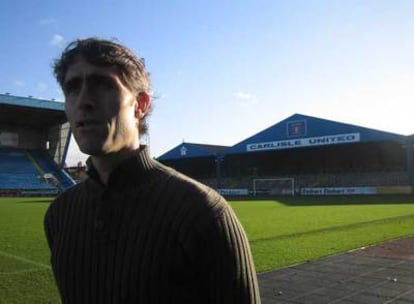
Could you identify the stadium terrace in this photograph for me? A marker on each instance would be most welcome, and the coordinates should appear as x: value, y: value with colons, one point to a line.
x: 303, y: 155
x: 300, y: 155
x: 34, y: 138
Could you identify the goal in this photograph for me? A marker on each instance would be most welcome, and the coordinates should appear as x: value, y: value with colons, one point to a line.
x: 274, y: 186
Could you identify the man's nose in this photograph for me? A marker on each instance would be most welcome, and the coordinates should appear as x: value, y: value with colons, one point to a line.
x: 85, y: 97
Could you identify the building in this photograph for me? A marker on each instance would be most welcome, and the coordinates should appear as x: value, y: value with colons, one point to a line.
x: 34, y: 139
x: 304, y: 155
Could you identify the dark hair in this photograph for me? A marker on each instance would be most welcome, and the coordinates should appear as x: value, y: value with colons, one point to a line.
x: 107, y: 53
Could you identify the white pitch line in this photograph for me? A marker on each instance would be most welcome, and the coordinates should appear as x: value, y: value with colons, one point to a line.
x: 21, y: 271
x: 22, y: 259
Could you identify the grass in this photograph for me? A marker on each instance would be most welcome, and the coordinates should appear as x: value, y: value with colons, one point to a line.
x: 293, y: 230
x: 282, y: 232
x: 25, y: 274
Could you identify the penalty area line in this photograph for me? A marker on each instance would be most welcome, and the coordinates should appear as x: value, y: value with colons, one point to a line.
x: 22, y: 259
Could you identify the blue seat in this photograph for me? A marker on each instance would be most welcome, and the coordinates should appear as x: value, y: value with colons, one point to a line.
x: 22, y: 169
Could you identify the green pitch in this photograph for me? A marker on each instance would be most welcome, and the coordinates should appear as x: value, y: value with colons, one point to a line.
x: 293, y: 230
x: 281, y: 232
x: 25, y: 274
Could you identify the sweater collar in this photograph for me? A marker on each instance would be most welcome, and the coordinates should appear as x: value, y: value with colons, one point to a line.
x: 132, y: 171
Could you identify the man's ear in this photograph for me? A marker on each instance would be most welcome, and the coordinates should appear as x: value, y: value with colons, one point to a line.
x: 143, y: 105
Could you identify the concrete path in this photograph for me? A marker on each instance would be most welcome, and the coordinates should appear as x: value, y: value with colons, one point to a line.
x: 379, y: 274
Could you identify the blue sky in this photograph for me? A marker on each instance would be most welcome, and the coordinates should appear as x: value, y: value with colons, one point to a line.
x: 225, y: 70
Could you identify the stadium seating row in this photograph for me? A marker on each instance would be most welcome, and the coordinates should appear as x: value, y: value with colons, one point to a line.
x: 25, y: 170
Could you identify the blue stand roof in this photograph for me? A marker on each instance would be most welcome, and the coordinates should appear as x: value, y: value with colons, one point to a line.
x: 30, y: 102
x: 191, y: 150
x: 299, y: 131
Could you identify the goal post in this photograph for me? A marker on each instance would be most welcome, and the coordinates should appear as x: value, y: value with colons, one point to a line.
x: 274, y: 186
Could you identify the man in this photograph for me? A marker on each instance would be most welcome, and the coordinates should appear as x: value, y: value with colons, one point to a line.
x: 136, y: 231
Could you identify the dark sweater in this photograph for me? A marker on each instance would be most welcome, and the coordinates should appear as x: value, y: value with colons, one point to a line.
x: 151, y: 235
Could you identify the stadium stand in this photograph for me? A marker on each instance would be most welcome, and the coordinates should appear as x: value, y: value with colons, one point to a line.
x: 33, y: 142
x: 17, y: 172
x: 313, y: 154
x: 200, y: 161
x: 48, y: 166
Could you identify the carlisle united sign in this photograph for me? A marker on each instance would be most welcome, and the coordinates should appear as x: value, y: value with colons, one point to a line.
x: 304, y: 142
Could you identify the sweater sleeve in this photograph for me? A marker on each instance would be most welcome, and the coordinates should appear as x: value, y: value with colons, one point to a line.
x: 227, y: 269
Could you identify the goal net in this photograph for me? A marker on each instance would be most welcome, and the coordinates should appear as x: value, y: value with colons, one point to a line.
x: 274, y: 186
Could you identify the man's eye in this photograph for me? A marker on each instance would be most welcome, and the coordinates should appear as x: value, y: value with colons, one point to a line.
x: 72, y: 87
x: 104, y: 83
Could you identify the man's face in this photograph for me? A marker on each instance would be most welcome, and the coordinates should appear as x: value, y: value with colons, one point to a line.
x: 101, y: 110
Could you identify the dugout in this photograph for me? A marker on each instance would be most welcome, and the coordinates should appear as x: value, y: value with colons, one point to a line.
x: 34, y: 139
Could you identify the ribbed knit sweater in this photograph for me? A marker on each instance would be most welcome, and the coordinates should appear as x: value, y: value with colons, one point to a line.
x: 151, y: 235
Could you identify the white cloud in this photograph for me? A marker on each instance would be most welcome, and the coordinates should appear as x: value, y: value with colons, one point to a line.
x: 41, y: 87
x: 244, y: 96
x: 19, y: 83
x: 47, y: 21
x: 246, y: 99
x: 57, y: 41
